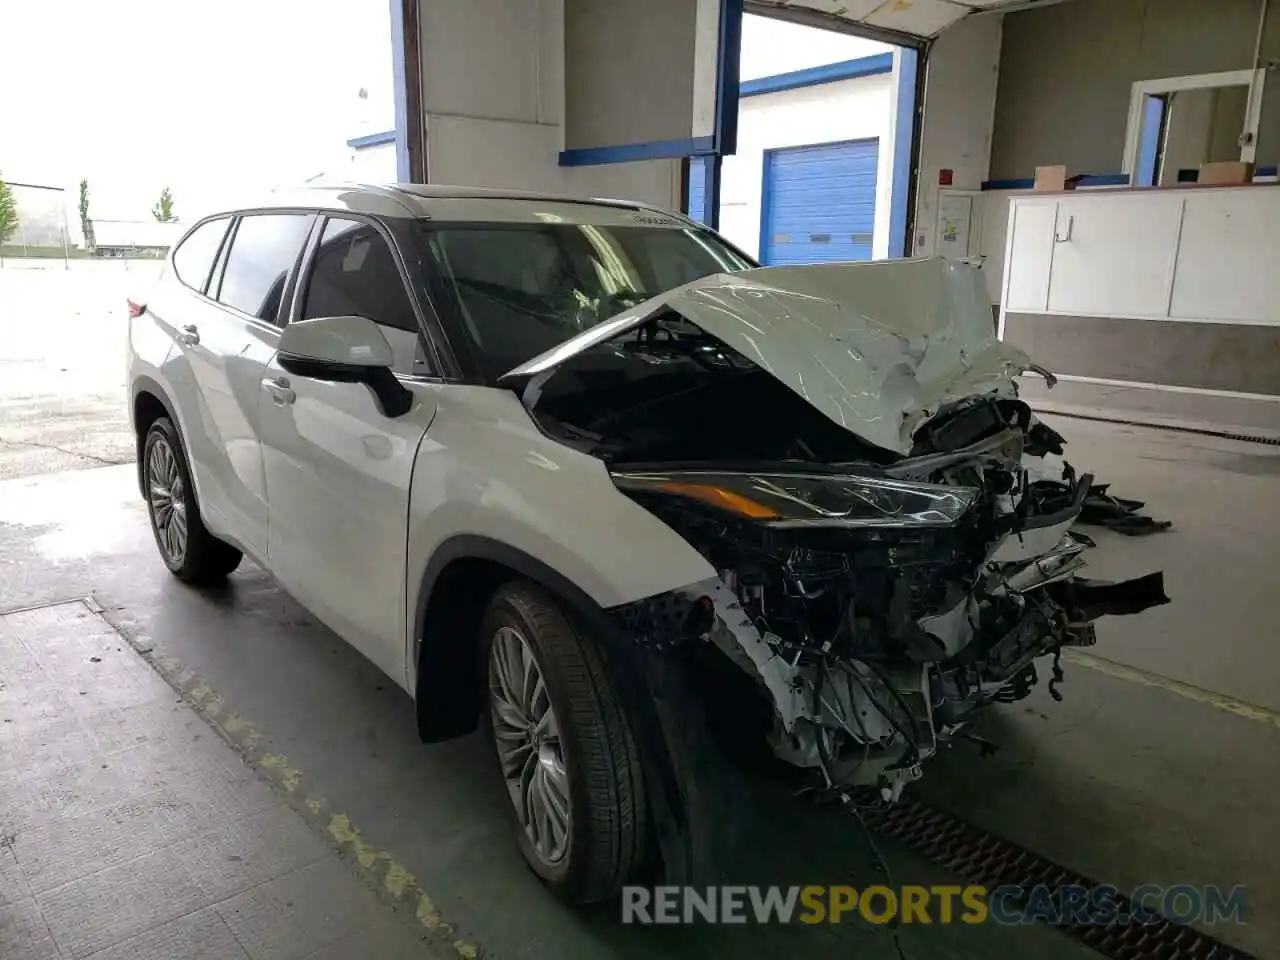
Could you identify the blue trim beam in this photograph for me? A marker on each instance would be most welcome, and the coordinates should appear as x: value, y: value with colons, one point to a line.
x: 728, y: 84
x: 372, y: 140
x: 766, y: 204
x: 903, y: 159
x: 813, y: 76
x: 711, y: 190
x: 400, y: 82
x: 631, y: 152
x: 1089, y: 180
x: 1103, y: 180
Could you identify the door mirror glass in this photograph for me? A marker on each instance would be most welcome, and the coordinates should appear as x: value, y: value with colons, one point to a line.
x: 346, y: 341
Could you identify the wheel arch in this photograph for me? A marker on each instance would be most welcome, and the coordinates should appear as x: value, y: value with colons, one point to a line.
x: 148, y: 403
x: 460, y: 578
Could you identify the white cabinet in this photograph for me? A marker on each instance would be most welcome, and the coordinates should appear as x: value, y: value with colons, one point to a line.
x: 1228, y: 263
x: 1189, y: 254
x: 1114, y: 255
x: 1031, y: 242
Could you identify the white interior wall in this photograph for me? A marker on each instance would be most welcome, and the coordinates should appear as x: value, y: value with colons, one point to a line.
x: 843, y: 110
x: 959, y: 114
x: 493, y: 98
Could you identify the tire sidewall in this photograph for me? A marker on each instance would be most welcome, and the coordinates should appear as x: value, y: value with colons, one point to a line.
x: 505, y: 613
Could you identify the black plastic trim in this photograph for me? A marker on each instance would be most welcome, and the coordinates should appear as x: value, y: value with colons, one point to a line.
x: 394, y: 398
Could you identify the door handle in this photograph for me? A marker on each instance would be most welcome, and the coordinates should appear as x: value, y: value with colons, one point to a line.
x: 190, y: 335
x: 1071, y: 224
x: 278, y: 387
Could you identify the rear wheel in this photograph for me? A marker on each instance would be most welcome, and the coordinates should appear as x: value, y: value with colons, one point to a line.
x: 190, y: 551
x: 566, y: 752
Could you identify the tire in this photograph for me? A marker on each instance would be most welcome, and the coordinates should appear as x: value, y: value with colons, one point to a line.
x: 188, y: 549
x: 599, y: 763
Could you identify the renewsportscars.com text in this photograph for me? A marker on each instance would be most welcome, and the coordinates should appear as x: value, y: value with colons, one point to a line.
x: 1006, y: 905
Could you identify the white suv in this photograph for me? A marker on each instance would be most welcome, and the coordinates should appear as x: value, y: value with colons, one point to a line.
x: 581, y: 470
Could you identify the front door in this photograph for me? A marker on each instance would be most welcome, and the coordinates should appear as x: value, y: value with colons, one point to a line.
x: 337, y: 469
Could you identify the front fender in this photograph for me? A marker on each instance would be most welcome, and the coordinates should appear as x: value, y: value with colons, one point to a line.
x: 484, y: 470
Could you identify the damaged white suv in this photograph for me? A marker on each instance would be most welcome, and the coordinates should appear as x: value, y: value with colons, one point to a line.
x: 582, y: 471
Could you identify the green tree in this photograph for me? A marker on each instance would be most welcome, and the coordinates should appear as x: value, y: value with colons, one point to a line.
x: 8, y: 212
x: 163, y: 210
x: 86, y: 225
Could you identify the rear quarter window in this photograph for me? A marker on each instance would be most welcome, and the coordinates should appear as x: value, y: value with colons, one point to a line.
x: 193, y: 259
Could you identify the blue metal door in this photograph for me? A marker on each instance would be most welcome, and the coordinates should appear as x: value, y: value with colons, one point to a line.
x: 819, y: 203
x: 697, y: 188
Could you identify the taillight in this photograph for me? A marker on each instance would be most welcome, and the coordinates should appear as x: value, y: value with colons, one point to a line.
x: 136, y: 309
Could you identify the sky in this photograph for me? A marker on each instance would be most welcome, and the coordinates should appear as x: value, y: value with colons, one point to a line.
x: 220, y: 102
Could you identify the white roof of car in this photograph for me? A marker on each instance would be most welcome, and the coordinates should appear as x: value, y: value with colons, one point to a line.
x: 453, y: 203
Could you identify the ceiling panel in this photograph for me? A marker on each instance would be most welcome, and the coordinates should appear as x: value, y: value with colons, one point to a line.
x: 910, y: 18
x: 921, y: 18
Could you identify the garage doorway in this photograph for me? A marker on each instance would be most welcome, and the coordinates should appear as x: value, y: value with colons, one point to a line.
x: 819, y: 202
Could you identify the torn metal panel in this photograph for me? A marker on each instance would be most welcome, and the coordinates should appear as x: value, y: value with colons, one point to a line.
x: 876, y: 347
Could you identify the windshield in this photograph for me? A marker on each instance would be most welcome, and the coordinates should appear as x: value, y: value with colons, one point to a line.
x: 520, y: 289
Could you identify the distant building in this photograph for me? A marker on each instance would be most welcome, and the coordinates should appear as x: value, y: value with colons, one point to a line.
x: 134, y: 238
x: 373, y: 158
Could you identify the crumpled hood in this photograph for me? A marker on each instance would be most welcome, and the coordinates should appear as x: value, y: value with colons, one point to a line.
x: 876, y: 347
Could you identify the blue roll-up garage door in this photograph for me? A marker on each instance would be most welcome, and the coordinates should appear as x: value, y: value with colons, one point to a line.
x: 697, y: 188
x: 819, y: 203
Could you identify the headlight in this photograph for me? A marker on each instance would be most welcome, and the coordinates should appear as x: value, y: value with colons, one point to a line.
x: 812, y: 500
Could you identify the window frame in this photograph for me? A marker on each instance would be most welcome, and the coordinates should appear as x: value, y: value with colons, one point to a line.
x: 443, y: 364
x: 1255, y: 80
x: 217, y: 254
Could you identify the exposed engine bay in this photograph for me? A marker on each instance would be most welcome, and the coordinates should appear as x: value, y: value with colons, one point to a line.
x: 876, y: 598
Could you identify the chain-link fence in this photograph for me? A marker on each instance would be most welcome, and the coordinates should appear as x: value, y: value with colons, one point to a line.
x: 42, y: 230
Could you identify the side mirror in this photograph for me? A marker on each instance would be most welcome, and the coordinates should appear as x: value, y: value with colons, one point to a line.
x: 345, y: 350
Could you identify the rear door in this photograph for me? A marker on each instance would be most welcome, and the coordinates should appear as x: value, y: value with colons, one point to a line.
x: 226, y: 342
x: 337, y: 468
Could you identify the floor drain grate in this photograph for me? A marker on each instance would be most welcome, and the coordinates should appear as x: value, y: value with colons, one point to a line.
x: 981, y: 858
x: 1267, y: 439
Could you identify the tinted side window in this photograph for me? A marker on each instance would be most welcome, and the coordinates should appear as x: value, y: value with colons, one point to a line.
x: 263, y: 251
x: 354, y: 274
x: 194, y: 256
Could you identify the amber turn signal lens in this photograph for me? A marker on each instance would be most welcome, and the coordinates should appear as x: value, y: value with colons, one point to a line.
x: 722, y: 498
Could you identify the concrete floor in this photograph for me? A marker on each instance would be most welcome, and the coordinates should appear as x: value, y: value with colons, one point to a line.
x: 129, y: 831
x: 1126, y: 782
x: 1136, y: 777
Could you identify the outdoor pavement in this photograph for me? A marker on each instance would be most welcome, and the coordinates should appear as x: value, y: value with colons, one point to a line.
x: 130, y: 831
x: 62, y: 337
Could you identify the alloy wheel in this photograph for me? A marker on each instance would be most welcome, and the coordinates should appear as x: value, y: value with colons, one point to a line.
x: 166, y: 495
x: 527, y: 736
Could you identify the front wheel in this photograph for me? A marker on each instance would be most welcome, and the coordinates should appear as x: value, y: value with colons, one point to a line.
x: 568, y: 759
x: 188, y: 549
